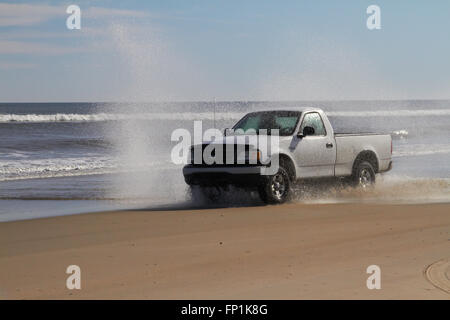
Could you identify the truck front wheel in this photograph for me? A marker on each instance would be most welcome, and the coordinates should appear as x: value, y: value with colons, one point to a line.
x: 275, y: 189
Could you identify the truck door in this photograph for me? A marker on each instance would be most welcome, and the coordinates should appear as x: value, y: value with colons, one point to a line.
x: 315, y: 154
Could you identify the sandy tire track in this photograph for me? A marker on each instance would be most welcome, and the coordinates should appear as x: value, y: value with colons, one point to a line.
x: 438, y: 273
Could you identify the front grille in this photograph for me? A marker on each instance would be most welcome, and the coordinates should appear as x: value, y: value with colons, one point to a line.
x: 229, y: 155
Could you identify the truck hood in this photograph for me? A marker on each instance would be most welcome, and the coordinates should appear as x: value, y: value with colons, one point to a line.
x: 252, y: 140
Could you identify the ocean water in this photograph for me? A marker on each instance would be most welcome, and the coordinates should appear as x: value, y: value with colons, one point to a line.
x: 63, y: 158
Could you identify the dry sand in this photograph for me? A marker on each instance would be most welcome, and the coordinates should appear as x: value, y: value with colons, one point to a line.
x: 294, y: 251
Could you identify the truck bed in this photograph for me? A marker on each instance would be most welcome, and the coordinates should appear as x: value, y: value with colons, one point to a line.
x: 349, y: 145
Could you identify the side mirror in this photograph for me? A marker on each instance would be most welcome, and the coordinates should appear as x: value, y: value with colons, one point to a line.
x: 307, y: 131
x: 225, y: 131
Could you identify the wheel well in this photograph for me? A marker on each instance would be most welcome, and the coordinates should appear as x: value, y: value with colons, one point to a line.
x: 368, y: 156
x: 287, y: 163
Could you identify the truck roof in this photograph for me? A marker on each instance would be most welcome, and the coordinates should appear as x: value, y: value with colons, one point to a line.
x: 303, y: 109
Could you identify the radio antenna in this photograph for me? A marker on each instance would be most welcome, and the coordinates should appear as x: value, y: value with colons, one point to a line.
x: 214, y: 117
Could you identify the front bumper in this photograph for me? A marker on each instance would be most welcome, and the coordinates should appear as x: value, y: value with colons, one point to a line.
x: 226, y: 175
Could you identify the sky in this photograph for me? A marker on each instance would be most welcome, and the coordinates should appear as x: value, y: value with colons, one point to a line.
x: 223, y: 50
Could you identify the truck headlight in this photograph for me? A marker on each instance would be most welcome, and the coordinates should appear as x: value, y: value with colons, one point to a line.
x: 252, y: 156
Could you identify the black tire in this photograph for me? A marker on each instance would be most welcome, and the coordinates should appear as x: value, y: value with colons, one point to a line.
x: 363, y: 175
x: 275, y: 189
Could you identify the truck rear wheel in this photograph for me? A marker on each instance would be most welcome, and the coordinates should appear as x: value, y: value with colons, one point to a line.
x: 275, y: 189
x: 364, y: 175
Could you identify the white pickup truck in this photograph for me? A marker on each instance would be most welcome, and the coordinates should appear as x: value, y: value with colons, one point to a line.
x: 307, y: 148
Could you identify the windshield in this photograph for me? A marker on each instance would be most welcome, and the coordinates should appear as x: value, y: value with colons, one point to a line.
x: 284, y: 121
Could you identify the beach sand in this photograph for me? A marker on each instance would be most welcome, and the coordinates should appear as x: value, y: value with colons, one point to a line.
x: 292, y: 251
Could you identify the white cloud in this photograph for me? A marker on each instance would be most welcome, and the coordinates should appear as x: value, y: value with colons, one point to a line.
x: 18, y: 47
x: 32, y: 40
x: 31, y: 34
x: 12, y: 14
x: 98, y: 12
x: 36, y: 34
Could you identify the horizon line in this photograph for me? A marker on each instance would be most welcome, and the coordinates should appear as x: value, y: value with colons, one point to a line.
x: 224, y: 101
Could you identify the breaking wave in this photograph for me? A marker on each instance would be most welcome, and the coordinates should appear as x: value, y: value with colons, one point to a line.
x: 65, y: 167
x: 391, y: 113
x: 46, y: 168
x: 96, y: 117
x: 399, y: 134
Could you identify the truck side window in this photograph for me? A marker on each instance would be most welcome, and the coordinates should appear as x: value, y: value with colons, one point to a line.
x: 314, y: 120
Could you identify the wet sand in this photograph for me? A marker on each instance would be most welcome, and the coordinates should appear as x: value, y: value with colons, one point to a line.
x: 293, y: 251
